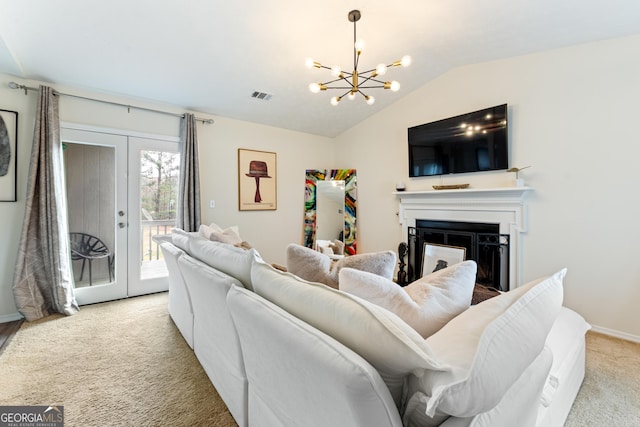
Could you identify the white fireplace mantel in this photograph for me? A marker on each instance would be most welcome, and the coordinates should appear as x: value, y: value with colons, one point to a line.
x: 504, y: 206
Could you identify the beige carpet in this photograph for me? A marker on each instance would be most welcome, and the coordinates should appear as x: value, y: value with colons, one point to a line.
x: 120, y: 363
x: 124, y: 363
x: 610, y: 393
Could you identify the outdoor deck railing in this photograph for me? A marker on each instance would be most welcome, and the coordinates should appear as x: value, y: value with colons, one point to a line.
x: 151, y: 249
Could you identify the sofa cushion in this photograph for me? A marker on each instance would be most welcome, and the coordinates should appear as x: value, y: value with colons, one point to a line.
x: 231, y: 260
x: 376, y: 334
x: 316, y: 267
x: 426, y: 304
x: 489, y: 346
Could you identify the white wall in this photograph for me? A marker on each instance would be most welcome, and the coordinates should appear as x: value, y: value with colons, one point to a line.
x: 268, y: 231
x: 573, y: 117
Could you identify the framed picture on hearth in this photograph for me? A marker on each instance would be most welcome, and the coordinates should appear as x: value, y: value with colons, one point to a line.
x: 436, y: 257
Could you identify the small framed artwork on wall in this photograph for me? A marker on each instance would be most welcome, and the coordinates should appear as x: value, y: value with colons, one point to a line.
x: 436, y: 257
x: 8, y: 155
x: 257, y: 180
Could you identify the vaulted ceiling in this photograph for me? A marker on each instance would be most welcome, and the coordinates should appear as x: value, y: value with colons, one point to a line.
x: 212, y: 55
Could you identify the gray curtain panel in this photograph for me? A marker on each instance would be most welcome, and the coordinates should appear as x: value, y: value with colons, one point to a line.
x: 43, y: 282
x: 189, y: 191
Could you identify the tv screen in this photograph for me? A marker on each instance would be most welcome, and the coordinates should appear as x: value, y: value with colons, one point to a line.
x: 469, y: 142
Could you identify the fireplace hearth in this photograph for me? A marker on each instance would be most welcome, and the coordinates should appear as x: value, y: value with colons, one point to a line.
x: 482, y: 242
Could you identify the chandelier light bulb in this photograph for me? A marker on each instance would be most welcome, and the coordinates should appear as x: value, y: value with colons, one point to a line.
x: 314, y: 87
x: 310, y: 63
x: 370, y: 100
x: 351, y: 96
x: 405, y: 61
x: 335, y: 100
x: 359, y: 46
x: 336, y: 71
x: 395, y: 86
x: 381, y: 69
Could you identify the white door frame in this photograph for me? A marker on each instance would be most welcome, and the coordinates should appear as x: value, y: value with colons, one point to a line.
x: 127, y: 279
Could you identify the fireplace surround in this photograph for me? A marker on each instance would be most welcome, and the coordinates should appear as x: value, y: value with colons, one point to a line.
x: 503, y: 209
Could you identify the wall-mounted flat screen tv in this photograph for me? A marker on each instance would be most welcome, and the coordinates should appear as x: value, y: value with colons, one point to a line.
x: 471, y: 142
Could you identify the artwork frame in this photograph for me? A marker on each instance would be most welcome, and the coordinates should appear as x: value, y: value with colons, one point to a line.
x: 8, y: 156
x: 433, y: 256
x: 257, y: 180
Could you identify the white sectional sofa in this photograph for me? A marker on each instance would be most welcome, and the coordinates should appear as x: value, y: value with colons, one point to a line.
x: 282, y: 351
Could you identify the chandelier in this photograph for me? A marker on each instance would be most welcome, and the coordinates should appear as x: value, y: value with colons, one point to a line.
x: 356, y: 80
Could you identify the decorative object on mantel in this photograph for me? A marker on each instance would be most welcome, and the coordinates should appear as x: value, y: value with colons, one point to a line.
x: 400, y: 186
x: 356, y: 80
x: 519, y: 182
x: 450, y: 187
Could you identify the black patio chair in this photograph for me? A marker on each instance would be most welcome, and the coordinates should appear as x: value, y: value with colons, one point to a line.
x: 86, y: 247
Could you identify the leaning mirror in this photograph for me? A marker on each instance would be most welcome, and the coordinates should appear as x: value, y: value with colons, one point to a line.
x: 330, y: 208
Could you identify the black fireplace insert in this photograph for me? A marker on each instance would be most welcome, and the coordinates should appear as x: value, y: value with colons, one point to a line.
x: 483, y: 243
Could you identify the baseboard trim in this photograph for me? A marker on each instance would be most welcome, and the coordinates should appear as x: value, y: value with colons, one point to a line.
x: 616, y: 334
x: 6, y: 318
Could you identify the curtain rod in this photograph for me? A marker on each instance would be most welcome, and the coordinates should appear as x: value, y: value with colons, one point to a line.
x: 14, y: 85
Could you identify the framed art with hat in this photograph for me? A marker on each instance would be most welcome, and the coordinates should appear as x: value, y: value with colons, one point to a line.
x: 256, y: 180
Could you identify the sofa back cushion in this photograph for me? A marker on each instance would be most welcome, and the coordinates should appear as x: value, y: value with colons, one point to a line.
x: 489, y: 346
x: 379, y: 336
x: 229, y: 259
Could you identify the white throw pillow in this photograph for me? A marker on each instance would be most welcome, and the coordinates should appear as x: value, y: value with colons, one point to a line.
x: 316, y: 267
x: 183, y: 239
x: 489, y: 345
x: 214, y: 232
x: 376, y: 334
x: 426, y: 304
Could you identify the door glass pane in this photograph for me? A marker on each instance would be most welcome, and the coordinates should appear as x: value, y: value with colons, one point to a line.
x: 159, y: 174
x: 91, y: 192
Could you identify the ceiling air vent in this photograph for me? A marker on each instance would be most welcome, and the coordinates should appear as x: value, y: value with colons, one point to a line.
x: 261, y: 95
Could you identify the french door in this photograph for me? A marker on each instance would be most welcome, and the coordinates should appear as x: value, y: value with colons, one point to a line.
x: 122, y: 197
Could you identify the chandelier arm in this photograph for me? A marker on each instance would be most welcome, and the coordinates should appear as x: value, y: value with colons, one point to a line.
x: 342, y: 87
x: 366, y: 79
x: 371, y: 87
x: 374, y: 80
x: 336, y: 80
